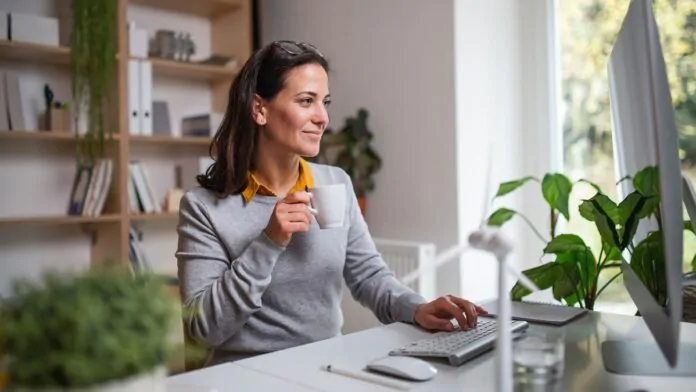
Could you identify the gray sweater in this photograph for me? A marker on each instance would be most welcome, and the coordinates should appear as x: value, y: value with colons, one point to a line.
x: 253, y: 296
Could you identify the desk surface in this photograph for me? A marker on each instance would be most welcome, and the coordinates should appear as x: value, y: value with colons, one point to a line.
x: 230, y: 377
x: 584, y: 369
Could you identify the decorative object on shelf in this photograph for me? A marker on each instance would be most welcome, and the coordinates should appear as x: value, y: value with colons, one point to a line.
x: 93, y: 60
x: 350, y: 150
x: 119, y: 335
x: 172, y: 45
x: 203, y: 125
x: 574, y: 274
x: 161, y: 123
x: 57, y: 113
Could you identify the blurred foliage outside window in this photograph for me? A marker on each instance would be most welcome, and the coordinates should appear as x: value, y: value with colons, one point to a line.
x: 586, y: 30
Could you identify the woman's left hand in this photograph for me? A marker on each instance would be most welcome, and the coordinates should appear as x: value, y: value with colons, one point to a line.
x: 436, y: 315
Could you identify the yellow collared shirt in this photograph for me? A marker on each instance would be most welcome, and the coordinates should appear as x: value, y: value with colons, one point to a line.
x: 305, y: 180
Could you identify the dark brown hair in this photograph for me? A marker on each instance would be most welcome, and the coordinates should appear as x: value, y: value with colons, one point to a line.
x: 234, y: 144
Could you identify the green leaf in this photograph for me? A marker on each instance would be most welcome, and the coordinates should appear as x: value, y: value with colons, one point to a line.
x: 567, y: 281
x: 647, y: 181
x: 628, y: 206
x: 556, y: 190
x: 605, y: 226
x: 500, y: 216
x: 629, y: 210
x: 565, y: 243
x: 651, y: 204
x: 611, y: 252
x: 543, y: 276
x: 693, y: 263
x: 648, y: 263
x: 586, y: 210
x: 689, y: 226
x: 509, y: 186
x: 584, y: 264
x: 606, y: 205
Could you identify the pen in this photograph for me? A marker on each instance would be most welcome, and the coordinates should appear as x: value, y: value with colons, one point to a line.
x: 364, y: 376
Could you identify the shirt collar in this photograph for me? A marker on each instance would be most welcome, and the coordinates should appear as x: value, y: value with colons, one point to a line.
x: 254, y: 186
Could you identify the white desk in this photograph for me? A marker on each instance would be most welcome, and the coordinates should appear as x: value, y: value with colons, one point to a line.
x: 584, y: 369
x: 230, y: 377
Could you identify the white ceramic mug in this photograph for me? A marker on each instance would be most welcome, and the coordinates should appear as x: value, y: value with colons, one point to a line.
x: 329, y: 205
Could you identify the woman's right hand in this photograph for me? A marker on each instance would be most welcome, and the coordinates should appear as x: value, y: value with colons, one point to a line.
x: 290, y: 215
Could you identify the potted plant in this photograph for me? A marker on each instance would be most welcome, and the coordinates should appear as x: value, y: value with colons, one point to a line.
x: 573, y: 274
x: 93, y: 42
x: 350, y: 149
x: 103, y: 330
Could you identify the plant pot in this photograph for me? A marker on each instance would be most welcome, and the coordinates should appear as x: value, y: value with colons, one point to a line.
x: 362, y: 203
x: 151, y: 382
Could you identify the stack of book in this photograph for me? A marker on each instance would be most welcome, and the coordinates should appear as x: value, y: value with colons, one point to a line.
x: 141, y: 197
x: 90, y: 188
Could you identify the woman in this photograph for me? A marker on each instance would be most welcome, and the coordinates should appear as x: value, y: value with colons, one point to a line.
x: 252, y: 261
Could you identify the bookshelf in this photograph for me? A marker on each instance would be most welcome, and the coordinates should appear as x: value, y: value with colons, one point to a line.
x: 228, y: 18
x: 228, y: 32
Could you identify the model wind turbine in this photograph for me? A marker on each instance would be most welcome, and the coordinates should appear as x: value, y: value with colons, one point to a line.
x: 491, y: 240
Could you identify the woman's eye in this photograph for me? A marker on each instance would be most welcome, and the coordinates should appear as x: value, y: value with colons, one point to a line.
x: 327, y: 103
x: 306, y: 101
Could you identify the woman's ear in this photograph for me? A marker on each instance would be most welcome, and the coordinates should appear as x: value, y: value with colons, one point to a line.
x: 259, y: 111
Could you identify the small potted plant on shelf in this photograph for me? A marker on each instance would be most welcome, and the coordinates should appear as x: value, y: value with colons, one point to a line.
x: 574, y: 273
x: 350, y: 149
x: 104, y: 330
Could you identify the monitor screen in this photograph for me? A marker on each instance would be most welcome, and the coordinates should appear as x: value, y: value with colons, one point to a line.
x: 644, y: 135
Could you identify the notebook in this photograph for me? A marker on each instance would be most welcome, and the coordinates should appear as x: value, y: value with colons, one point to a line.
x: 538, y: 312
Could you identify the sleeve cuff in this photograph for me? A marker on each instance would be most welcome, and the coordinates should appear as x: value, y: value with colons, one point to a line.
x: 407, y: 305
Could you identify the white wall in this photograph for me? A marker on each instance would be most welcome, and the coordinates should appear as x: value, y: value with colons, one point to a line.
x: 395, y: 58
x: 441, y: 80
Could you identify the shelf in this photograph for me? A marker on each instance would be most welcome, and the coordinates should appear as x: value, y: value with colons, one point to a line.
x: 10, y: 50
x: 205, y: 8
x: 191, y: 70
x: 60, y: 220
x: 203, y: 141
x: 160, y: 216
x: 46, y: 136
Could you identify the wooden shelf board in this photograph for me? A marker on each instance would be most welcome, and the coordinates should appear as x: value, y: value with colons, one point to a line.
x: 160, y: 216
x: 191, y: 70
x: 157, y: 139
x: 11, y: 50
x: 61, y: 219
x: 205, y: 8
x: 46, y: 136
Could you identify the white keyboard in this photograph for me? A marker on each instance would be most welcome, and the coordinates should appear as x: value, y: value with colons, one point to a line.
x: 459, y: 346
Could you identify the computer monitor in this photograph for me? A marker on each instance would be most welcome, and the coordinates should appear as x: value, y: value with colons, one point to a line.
x: 645, y: 134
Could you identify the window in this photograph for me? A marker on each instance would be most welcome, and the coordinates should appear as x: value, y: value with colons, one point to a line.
x: 586, y: 30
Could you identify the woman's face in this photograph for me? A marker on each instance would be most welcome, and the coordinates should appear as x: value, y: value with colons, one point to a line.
x: 295, y: 119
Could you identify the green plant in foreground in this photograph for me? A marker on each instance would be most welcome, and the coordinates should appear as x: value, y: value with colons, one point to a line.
x: 574, y: 274
x: 77, y: 330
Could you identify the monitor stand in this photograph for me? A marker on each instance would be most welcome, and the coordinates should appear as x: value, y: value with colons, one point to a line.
x: 645, y: 359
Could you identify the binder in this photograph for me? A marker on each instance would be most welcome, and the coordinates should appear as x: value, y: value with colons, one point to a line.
x: 145, y: 98
x: 134, y: 97
x: 15, y: 109
x: 4, y: 118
